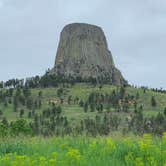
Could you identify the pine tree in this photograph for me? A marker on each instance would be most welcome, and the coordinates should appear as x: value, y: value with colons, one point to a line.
x: 21, y: 113
x: 15, y: 103
x: 92, y: 107
x: 165, y: 111
x: 153, y: 102
x: 86, y: 107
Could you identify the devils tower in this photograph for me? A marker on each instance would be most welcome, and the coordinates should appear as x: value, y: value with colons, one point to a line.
x: 83, y: 52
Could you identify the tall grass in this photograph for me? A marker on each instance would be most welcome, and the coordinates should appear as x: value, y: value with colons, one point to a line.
x: 83, y: 151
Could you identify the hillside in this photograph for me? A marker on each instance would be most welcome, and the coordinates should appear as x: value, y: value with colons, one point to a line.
x: 82, y: 102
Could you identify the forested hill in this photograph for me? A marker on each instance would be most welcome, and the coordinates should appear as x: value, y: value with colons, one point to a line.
x: 81, y: 108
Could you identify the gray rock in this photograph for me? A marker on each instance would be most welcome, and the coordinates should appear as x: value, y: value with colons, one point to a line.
x: 83, y: 52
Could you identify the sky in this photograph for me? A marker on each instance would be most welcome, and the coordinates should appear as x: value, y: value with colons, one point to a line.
x: 135, y: 32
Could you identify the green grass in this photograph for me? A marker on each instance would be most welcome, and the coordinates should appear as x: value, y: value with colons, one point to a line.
x: 82, y: 91
x: 83, y: 151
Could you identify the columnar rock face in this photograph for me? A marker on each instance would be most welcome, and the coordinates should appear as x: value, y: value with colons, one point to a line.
x: 83, y: 52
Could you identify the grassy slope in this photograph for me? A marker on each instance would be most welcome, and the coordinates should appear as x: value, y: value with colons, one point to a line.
x: 74, y: 112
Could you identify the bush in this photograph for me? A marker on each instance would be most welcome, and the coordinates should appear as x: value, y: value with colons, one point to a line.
x: 20, y: 127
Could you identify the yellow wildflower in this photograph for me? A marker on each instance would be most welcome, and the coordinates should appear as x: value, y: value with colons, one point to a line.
x: 74, y: 154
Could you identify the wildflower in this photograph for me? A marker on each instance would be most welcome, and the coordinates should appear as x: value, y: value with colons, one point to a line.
x: 54, y: 154
x: 74, y: 154
x: 42, y: 158
x: 20, y: 157
x: 93, y: 145
x: 52, y: 161
x: 139, y: 162
x: 146, y: 142
x: 110, y: 144
x: 108, y: 148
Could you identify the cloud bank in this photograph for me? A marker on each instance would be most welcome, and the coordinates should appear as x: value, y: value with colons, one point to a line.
x: 135, y: 30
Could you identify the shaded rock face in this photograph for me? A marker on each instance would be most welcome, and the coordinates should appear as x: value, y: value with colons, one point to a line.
x: 83, y: 52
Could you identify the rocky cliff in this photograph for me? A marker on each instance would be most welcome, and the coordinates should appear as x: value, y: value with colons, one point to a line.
x: 83, y: 52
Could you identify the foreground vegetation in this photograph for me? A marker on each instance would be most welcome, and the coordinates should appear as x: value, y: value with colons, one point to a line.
x: 84, y: 151
x: 68, y: 123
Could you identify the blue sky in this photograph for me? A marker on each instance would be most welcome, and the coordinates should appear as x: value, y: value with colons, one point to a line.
x: 135, y: 31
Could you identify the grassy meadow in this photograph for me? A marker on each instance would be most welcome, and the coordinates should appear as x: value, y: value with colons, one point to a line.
x: 84, y: 151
